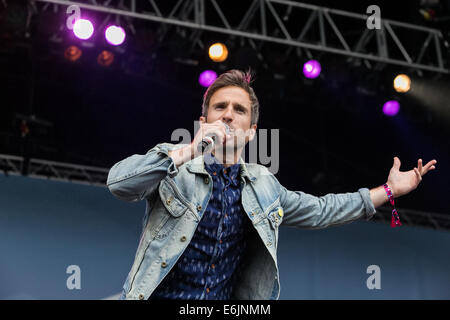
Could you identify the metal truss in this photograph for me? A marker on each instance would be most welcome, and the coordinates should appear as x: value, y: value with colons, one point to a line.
x: 50, y: 170
x: 65, y: 172
x: 408, y: 217
x: 297, y: 25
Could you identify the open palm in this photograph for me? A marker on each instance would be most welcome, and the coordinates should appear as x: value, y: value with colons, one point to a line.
x: 403, y: 182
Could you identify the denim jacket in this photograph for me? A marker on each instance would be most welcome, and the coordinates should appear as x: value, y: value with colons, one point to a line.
x: 176, y: 198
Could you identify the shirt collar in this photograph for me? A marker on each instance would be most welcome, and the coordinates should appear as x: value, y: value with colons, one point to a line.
x: 213, y: 165
x: 197, y: 165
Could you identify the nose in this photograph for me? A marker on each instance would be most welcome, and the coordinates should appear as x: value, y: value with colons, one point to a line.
x: 228, y: 116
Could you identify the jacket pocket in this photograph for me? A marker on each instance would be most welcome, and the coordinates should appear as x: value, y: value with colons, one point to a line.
x: 172, y: 199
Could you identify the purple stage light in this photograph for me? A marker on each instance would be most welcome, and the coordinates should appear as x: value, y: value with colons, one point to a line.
x: 115, y: 35
x: 391, y: 108
x: 207, y: 77
x: 83, y: 29
x: 311, y: 69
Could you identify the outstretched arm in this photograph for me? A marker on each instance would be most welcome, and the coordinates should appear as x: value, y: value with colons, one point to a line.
x: 308, y: 211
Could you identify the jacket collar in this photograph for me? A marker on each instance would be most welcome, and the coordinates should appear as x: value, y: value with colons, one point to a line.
x: 197, y: 165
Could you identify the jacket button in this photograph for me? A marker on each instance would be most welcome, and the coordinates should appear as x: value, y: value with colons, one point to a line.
x: 206, y: 180
x: 169, y: 200
x: 183, y: 238
x: 163, y: 264
x: 269, y: 244
x: 199, y: 208
x: 141, y: 297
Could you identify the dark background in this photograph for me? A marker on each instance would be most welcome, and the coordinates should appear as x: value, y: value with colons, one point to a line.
x: 333, y: 134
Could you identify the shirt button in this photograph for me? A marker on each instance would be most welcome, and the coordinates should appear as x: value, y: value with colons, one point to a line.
x: 213, y: 266
x: 183, y: 238
x: 163, y: 264
x: 199, y: 207
x: 206, y: 180
x: 207, y: 290
x: 141, y: 297
x: 269, y: 244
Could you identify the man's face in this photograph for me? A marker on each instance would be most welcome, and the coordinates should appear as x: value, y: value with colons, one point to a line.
x: 232, y: 105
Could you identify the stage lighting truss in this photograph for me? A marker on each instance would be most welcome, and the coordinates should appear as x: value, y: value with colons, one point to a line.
x: 301, y: 27
x: 59, y: 171
x: 408, y: 217
x: 88, y: 175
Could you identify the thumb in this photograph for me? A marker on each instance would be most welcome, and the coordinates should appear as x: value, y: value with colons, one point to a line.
x: 397, y: 163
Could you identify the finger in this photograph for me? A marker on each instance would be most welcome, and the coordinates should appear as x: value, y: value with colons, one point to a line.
x: 397, y: 163
x: 217, y: 133
x: 430, y: 165
x: 418, y: 174
x: 419, y: 166
x: 219, y: 122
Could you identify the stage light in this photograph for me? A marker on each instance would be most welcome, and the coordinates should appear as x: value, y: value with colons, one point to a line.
x: 311, y: 69
x: 72, y: 53
x: 105, y: 58
x: 402, y: 83
x: 83, y: 29
x: 115, y: 35
x: 218, y: 52
x: 391, y: 108
x: 207, y: 77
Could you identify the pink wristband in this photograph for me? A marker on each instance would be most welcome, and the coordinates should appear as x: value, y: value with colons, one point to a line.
x: 395, y: 221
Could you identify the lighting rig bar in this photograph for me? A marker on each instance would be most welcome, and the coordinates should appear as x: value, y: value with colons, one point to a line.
x: 378, y: 45
x: 58, y: 171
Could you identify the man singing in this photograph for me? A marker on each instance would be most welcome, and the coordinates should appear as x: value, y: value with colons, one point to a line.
x: 210, y: 229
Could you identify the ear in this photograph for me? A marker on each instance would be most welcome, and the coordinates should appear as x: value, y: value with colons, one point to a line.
x: 202, y: 119
x: 252, y: 132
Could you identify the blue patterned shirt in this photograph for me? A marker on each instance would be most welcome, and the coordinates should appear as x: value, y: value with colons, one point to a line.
x: 206, y: 269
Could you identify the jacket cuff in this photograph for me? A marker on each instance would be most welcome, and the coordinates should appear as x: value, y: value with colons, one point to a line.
x: 368, y: 204
x: 163, y: 150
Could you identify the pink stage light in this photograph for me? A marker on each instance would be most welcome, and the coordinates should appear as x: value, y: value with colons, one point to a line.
x: 311, y: 69
x: 115, y: 35
x: 391, y: 108
x: 207, y: 77
x: 83, y: 29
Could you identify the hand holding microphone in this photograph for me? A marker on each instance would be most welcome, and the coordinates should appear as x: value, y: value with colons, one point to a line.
x: 209, y: 140
x: 209, y: 135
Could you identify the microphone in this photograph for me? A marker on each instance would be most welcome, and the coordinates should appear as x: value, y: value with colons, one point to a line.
x: 208, y: 141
